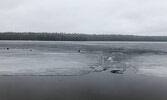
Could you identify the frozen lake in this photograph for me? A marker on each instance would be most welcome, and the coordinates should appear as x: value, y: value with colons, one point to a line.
x: 39, y: 70
x: 63, y: 58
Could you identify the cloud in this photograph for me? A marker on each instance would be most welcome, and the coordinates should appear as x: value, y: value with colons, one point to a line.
x: 139, y: 17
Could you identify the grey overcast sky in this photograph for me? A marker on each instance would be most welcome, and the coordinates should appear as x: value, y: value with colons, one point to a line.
x: 136, y: 17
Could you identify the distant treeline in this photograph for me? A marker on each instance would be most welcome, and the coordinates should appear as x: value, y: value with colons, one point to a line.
x: 75, y: 37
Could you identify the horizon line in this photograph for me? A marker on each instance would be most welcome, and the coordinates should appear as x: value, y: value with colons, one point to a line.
x: 112, y: 33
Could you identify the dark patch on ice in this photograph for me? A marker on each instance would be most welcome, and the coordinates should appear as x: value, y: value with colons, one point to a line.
x: 117, y: 71
x: 104, y: 69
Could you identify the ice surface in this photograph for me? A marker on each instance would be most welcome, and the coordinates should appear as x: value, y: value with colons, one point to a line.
x: 63, y: 58
x: 24, y: 62
x: 155, y: 65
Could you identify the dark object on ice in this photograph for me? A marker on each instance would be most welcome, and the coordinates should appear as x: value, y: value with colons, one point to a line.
x: 30, y: 50
x: 117, y: 71
x: 7, y: 48
x: 104, y: 69
x: 79, y: 50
